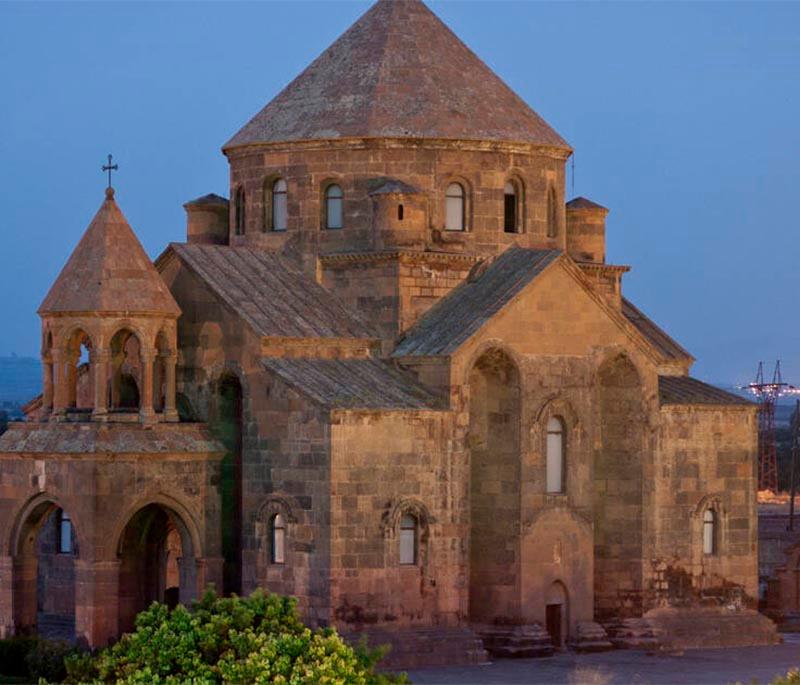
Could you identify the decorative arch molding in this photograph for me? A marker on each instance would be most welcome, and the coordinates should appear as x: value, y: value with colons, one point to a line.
x: 399, y: 508
x: 279, y: 503
x: 186, y: 518
x: 551, y: 514
x: 556, y: 404
x: 611, y: 354
x: 713, y: 501
x: 146, y: 340
x: 13, y: 537
x: 489, y: 345
x: 63, y: 338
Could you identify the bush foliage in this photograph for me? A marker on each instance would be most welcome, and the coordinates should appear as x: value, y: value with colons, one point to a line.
x: 259, y: 639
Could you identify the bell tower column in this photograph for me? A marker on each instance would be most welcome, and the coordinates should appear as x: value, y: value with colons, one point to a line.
x: 100, y: 361
x: 60, y: 397
x: 146, y: 411
x: 170, y: 412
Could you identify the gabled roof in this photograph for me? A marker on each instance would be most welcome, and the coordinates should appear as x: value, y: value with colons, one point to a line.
x: 210, y: 200
x: 353, y: 383
x: 456, y: 317
x: 397, y: 72
x: 687, y: 390
x: 655, y: 335
x: 109, y: 271
x: 584, y: 203
x: 273, y: 297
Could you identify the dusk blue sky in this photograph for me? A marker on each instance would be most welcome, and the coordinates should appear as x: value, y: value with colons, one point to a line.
x: 685, y: 119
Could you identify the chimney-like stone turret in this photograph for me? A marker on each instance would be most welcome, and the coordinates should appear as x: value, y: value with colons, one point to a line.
x: 207, y: 220
x: 586, y: 230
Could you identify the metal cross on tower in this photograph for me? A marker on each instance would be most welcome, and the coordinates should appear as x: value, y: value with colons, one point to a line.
x: 109, y: 168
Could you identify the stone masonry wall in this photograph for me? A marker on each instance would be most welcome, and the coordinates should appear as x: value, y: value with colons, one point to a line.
x: 706, y: 458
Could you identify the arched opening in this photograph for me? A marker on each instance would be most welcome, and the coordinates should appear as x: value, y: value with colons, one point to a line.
x: 334, y: 206
x: 556, y: 454
x: 617, y: 486
x: 511, y: 207
x: 408, y: 539
x: 78, y: 376
x: 494, y: 427
x: 157, y: 562
x: 710, y: 532
x: 163, y: 353
x: 552, y: 213
x: 277, y: 539
x: 280, y: 213
x: 239, y: 211
x: 455, y: 207
x: 228, y: 427
x: 557, y: 614
x: 126, y: 372
x: 43, y: 583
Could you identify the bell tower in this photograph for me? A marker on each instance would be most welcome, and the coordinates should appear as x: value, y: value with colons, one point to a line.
x: 109, y: 330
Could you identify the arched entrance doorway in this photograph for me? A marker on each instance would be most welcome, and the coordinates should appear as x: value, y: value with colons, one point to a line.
x: 617, y: 478
x: 157, y: 562
x: 228, y: 428
x: 494, y: 428
x: 557, y: 614
x: 43, y: 584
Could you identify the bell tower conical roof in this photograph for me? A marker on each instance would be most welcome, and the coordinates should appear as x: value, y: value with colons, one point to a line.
x: 397, y: 72
x: 109, y: 272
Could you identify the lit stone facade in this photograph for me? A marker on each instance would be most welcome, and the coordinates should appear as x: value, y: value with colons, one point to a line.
x: 410, y: 390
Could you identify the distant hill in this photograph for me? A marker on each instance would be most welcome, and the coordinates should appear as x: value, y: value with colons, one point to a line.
x: 20, y: 379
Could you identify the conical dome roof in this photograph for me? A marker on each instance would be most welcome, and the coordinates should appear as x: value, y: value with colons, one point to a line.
x: 110, y: 272
x: 397, y: 72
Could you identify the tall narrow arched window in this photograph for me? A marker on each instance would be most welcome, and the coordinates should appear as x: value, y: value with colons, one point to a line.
x: 64, y: 532
x: 334, y: 207
x: 710, y: 532
x: 239, y: 216
x: 510, y: 208
x: 277, y: 535
x: 555, y: 455
x: 409, y: 539
x: 455, y: 207
x: 279, y: 205
x: 552, y: 213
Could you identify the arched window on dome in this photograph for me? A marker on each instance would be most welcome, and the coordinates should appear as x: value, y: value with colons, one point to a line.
x: 552, y: 213
x: 279, y: 205
x: 455, y: 207
x: 710, y: 532
x: 277, y: 539
x: 556, y: 454
x: 239, y: 211
x: 334, y: 206
x: 511, y: 207
x: 408, y: 539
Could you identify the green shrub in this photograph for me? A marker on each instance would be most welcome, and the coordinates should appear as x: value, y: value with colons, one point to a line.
x: 13, y: 652
x: 791, y: 678
x: 259, y: 639
x: 46, y: 660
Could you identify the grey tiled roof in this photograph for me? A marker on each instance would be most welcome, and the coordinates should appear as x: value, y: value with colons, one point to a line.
x: 456, y: 317
x: 687, y: 390
x: 584, y: 203
x: 657, y: 337
x: 269, y: 294
x: 397, y: 72
x: 108, y: 438
x: 353, y: 383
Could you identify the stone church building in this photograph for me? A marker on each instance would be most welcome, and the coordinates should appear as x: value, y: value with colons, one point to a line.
x: 395, y: 377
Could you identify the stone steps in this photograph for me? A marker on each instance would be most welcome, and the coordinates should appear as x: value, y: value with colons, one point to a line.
x: 424, y: 646
x: 516, y: 642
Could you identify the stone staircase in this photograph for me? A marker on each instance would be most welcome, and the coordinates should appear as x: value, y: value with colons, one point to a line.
x: 590, y: 637
x: 424, y: 646
x: 516, y: 642
x: 632, y: 633
x: 55, y: 627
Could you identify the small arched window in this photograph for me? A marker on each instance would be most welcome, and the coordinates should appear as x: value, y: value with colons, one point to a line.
x: 277, y: 535
x: 552, y: 213
x: 454, y: 207
x: 710, y: 532
x: 555, y: 455
x: 279, y: 205
x: 334, y: 207
x: 239, y: 211
x: 510, y: 208
x: 409, y: 539
x: 64, y: 532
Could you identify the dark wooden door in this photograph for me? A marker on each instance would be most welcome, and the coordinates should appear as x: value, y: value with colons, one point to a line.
x: 553, y: 618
